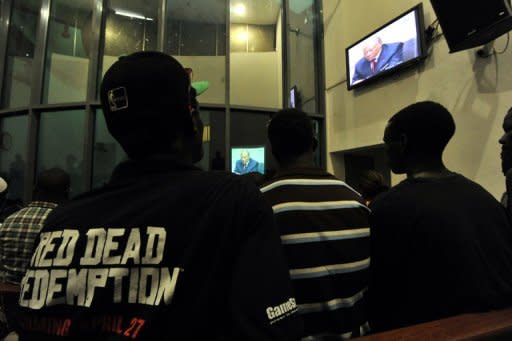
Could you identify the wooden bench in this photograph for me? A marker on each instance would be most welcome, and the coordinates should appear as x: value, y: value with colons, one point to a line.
x: 9, y: 288
x: 494, y: 325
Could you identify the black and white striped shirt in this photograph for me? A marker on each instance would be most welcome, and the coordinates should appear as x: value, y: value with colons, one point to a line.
x: 325, y: 233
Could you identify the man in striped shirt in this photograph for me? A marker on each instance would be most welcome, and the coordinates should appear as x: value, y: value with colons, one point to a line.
x: 324, y: 230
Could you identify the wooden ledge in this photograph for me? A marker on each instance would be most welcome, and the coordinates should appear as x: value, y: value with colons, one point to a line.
x: 494, y: 325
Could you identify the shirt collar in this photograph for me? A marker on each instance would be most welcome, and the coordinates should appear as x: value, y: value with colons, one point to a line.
x: 42, y: 204
x: 284, y: 173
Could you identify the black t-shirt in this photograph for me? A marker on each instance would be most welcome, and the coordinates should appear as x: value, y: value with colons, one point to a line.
x: 440, y: 247
x: 164, y: 252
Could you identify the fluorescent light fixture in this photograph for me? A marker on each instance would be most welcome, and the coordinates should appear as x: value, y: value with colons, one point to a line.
x: 131, y: 15
x: 239, y: 9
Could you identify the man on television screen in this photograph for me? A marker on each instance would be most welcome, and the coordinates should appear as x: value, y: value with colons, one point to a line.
x: 246, y: 164
x: 377, y: 57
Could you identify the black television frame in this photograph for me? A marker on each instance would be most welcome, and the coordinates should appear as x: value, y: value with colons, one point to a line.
x: 420, y: 28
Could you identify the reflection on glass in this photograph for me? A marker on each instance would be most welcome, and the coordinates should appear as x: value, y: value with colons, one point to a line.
x: 13, y: 146
x: 131, y: 26
x: 107, y: 153
x: 197, y: 39
x: 67, y: 55
x: 256, y: 53
x: 20, y: 53
x: 61, y: 144
x: 301, y: 52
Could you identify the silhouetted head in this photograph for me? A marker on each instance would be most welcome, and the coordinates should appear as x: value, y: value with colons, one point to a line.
x: 146, y: 102
x: 52, y: 186
x: 372, y: 183
x: 291, y: 135
x: 506, y: 143
x: 417, y: 133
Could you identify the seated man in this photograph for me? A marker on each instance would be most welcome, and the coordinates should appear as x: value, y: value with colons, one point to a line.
x: 21, y: 229
x: 441, y: 244
x: 164, y: 251
x: 324, y: 230
x: 246, y: 164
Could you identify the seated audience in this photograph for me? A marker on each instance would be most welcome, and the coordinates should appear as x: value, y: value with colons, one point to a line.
x: 164, y: 251
x: 20, y: 230
x: 324, y: 230
x: 506, y: 160
x: 372, y: 183
x: 441, y: 244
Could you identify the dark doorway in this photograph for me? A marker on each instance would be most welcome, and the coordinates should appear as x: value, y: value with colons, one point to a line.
x: 358, y: 161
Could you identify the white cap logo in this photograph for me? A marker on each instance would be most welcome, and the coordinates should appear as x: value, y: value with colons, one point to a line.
x: 118, y: 99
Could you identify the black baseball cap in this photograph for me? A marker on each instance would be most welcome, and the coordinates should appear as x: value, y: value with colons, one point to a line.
x: 146, y: 102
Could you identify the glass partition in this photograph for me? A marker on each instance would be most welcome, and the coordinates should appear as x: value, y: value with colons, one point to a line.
x: 13, y: 150
x: 61, y: 145
x: 302, y: 52
x: 107, y: 153
x: 197, y: 39
x: 68, y: 51
x: 256, y: 54
x: 131, y: 26
x: 193, y: 31
x: 20, y: 53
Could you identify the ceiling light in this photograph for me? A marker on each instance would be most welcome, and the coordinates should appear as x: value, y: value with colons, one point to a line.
x: 131, y: 15
x: 239, y: 9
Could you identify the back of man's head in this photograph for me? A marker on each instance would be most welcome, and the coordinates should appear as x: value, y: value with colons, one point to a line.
x: 52, y: 186
x: 428, y: 127
x: 290, y: 133
x: 145, y: 99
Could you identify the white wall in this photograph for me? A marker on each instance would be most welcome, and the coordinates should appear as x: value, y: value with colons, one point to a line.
x: 477, y: 91
x: 256, y: 77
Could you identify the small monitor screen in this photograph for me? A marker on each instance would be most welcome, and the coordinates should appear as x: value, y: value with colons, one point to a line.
x: 248, y: 160
x: 392, y: 45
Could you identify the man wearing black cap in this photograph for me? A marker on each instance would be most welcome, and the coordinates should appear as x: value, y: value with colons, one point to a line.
x: 440, y: 243
x: 164, y: 251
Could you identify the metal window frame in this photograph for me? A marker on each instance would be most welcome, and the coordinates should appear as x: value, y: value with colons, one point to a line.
x: 5, y: 19
x: 91, y: 103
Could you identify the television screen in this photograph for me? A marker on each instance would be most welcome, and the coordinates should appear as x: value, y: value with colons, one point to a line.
x: 293, y: 97
x: 248, y: 160
x: 395, y: 45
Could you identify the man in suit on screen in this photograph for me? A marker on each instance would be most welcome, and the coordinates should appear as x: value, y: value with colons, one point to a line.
x: 377, y: 57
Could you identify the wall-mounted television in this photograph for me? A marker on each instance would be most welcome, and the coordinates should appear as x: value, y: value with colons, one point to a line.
x: 248, y: 159
x: 391, y: 47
